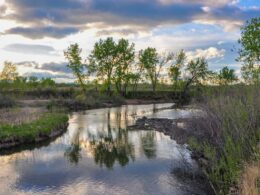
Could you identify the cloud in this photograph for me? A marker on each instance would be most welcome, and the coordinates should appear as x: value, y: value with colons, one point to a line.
x: 55, y: 67
x: 30, y: 49
x: 59, y: 18
x: 41, y: 75
x: 119, y: 32
x: 3, y: 9
x: 36, y: 32
x: 210, y: 53
x: 52, y: 67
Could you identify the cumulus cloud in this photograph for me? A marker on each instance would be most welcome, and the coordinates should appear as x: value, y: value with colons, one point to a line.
x: 59, y: 18
x: 30, y: 49
x: 210, y: 53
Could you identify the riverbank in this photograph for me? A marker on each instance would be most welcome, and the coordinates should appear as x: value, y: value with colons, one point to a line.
x: 45, y: 127
x: 223, y: 139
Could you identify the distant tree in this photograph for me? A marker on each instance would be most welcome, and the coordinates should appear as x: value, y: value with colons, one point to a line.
x: 197, y: 70
x: 72, y: 54
x: 226, y: 76
x: 103, y: 61
x: 249, y: 53
x: 126, y: 56
x: 149, y: 59
x: 175, y: 68
x: 9, y: 72
x: 33, y: 81
x: 47, y: 82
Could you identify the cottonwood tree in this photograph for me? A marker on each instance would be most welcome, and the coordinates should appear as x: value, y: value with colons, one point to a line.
x: 103, y: 61
x: 125, y: 58
x: 197, y: 70
x: 227, y: 76
x: 249, y: 53
x: 9, y: 72
x: 72, y: 54
x: 176, y: 66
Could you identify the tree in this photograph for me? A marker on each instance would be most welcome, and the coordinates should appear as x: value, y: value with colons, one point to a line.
x: 47, y: 82
x: 149, y: 59
x: 226, y: 76
x: 197, y: 70
x: 126, y: 56
x: 9, y: 72
x: 103, y: 61
x: 249, y: 53
x: 175, y: 68
x: 72, y: 54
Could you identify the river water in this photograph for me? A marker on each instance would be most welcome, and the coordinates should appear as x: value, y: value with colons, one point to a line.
x: 97, y: 155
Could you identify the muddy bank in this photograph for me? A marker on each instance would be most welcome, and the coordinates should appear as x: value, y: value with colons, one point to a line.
x: 180, y: 130
x: 14, y: 141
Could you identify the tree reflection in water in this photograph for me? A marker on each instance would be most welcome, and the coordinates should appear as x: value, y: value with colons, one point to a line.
x: 148, y: 144
x: 73, y: 154
x: 109, y: 150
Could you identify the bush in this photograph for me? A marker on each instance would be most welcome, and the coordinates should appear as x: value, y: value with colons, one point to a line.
x: 232, y: 126
x: 6, y: 102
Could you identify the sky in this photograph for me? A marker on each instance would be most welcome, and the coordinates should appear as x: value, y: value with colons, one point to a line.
x: 34, y: 33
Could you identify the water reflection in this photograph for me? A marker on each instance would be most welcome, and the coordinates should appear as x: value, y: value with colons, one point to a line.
x: 97, y: 155
x: 148, y: 144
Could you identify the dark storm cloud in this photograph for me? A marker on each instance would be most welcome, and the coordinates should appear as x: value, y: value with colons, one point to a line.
x: 70, y: 16
x: 30, y: 49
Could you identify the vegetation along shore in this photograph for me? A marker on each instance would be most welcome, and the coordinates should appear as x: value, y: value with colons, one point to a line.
x: 224, y: 138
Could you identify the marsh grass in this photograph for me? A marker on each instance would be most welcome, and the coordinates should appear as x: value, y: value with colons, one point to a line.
x: 231, y: 133
x: 45, y: 124
x: 250, y: 183
x: 17, y: 116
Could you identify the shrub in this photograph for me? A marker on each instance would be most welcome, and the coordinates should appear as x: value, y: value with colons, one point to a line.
x: 6, y: 102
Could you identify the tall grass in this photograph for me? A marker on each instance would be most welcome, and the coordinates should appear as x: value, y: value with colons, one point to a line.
x: 231, y: 132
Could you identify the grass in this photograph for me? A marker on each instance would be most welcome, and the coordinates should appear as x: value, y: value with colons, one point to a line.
x: 231, y: 133
x: 44, y: 125
x: 250, y: 183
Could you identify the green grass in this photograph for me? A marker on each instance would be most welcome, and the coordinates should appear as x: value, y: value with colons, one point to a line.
x: 234, y: 125
x: 29, y: 131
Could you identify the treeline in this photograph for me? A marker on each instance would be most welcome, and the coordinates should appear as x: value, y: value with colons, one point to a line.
x: 117, y: 66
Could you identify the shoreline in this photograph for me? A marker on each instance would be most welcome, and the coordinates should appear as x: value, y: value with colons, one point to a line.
x: 48, y: 126
x: 13, y: 142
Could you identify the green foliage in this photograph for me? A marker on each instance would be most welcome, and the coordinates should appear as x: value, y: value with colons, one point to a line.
x: 175, y: 69
x: 29, y: 131
x: 72, y: 54
x: 103, y: 60
x: 149, y: 59
x: 123, y: 74
x: 249, y: 53
x: 197, y: 70
x: 233, y: 114
x: 227, y: 76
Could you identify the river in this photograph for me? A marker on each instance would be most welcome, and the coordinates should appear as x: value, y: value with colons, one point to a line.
x: 97, y: 155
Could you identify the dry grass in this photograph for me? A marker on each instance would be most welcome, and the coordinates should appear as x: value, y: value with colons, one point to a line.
x: 16, y: 116
x: 250, y: 184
